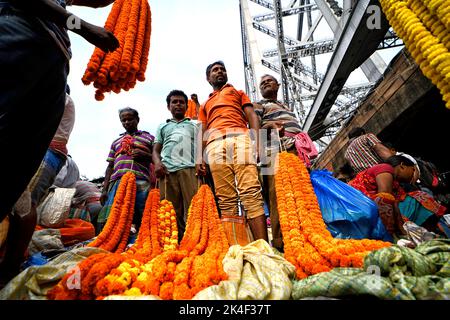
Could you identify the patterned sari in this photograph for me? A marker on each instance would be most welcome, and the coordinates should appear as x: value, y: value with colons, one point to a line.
x: 387, y: 203
x: 398, y: 207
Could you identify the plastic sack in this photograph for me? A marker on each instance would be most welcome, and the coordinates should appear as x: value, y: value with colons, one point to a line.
x: 55, y: 208
x: 45, y: 239
x: 347, y: 212
x: 418, y: 234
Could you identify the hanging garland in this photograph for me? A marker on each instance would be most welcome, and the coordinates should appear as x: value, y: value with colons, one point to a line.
x: 424, y: 27
x: 308, y: 245
x: 130, y: 21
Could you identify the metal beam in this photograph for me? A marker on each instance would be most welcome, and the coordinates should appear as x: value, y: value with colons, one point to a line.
x: 305, y: 49
x: 356, y: 44
x: 266, y: 30
x: 375, y: 65
x: 264, y: 3
x: 313, y: 57
x: 303, y: 84
x: 313, y: 28
x: 286, y: 13
x: 300, y: 22
x: 288, y: 84
x: 252, y: 58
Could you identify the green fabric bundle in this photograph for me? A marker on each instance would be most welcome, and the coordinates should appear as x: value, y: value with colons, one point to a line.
x: 396, y: 273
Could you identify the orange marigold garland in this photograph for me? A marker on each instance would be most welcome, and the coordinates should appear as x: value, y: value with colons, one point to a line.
x: 148, y: 230
x: 130, y: 21
x: 114, y: 236
x: 64, y: 290
x: 309, y: 246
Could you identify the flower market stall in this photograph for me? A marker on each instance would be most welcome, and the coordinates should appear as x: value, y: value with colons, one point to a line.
x: 204, y: 266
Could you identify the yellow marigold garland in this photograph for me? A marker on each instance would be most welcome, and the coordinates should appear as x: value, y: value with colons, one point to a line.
x: 168, y: 230
x: 309, y: 246
x: 424, y: 27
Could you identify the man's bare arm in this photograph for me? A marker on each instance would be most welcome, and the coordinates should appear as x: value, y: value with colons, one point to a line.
x: 91, y: 3
x: 52, y: 11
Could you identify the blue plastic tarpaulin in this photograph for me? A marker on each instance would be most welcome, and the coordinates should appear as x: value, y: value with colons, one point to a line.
x: 347, y: 212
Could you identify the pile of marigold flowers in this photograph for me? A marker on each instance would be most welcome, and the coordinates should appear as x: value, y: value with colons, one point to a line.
x: 308, y: 245
x: 130, y: 21
x: 152, y: 266
x: 424, y: 27
x: 114, y: 236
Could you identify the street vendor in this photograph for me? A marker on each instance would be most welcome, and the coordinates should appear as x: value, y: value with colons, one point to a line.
x: 34, y: 63
x: 174, y: 158
x: 132, y: 151
x: 382, y: 184
x: 282, y: 127
x: 230, y: 152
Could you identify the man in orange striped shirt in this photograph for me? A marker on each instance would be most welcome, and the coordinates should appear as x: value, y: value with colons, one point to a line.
x: 230, y: 151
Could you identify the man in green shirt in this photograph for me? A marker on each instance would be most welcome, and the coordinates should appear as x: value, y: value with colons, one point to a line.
x: 174, y: 158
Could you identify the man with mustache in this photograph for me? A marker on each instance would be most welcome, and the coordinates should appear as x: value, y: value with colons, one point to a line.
x: 230, y: 152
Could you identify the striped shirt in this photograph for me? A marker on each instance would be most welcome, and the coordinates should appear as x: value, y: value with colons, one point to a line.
x: 360, y: 153
x: 123, y: 162
x: 86, y: 191
x: 271, y: 111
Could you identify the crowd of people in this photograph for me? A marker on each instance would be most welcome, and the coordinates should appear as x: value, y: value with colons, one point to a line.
x: 228, y: 141
x: 395, y: 181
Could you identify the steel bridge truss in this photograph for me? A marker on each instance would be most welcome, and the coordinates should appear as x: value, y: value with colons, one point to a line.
x: 294, y: 58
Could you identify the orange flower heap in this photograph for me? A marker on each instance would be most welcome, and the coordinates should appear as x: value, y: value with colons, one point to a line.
x: 309, y: 246
x: 154, y: 265
x: 114, y: 236
x: 130, y: 21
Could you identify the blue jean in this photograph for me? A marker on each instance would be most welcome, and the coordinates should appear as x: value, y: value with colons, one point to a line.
x: 33, y: 75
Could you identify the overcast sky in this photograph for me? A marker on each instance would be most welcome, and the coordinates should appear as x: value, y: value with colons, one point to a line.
x: 186, y: 36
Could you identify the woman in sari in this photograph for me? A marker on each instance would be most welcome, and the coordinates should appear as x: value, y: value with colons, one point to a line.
x: 382, y: 184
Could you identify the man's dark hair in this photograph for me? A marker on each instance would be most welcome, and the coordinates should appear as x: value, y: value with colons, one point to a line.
x: 176, y: 93
x: 208, y: 69
x: 398, y: 160
x: 128, y: 109
x: 356, y: 132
